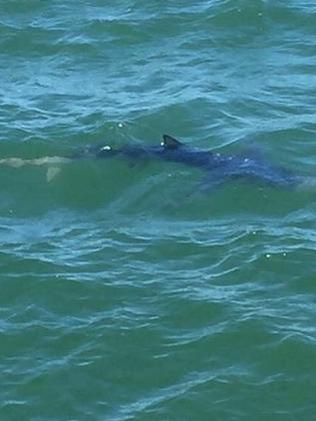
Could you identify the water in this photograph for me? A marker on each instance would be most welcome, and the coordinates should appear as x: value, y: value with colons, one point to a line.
x: 127, y: 294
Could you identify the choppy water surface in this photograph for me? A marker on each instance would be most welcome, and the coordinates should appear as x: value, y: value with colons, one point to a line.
x: 127, y: 293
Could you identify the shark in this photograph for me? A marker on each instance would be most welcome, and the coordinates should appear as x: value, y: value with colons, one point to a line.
x: 218, y: 168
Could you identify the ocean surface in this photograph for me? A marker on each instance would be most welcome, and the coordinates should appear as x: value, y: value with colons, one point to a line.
x: 127, y: 291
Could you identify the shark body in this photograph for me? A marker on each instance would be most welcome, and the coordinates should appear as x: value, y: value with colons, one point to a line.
x: 217, y: 167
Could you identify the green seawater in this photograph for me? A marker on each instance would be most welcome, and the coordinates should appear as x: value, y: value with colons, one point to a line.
x: 127, y: 291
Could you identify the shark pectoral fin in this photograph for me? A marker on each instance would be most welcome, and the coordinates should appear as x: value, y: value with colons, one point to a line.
x: 211, y: 182
x: 52, y: 172
x: 170, y: 142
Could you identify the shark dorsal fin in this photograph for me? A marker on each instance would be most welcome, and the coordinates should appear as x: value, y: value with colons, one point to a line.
x: 170, y: 142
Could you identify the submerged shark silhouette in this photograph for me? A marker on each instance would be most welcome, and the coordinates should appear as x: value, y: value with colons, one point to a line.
x: 218, y: 167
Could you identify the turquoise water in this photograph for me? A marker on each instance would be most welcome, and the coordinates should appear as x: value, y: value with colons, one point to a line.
x: 126, y: 292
